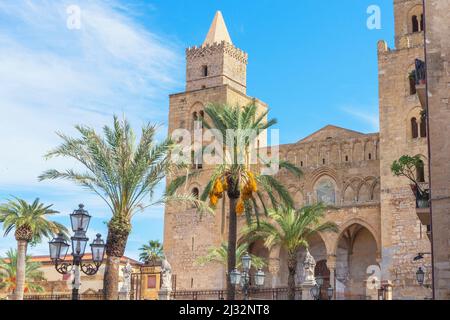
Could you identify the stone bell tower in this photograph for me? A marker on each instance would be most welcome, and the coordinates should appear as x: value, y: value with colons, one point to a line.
x: 217, y: 62
x: 216, y: 72
x: 402, y: 132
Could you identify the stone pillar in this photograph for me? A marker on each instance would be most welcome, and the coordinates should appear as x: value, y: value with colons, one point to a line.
x: 387, y: 285
x: 164, y: 294
x: 331, y: 265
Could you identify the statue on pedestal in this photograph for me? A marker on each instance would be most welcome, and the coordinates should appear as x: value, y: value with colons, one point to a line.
x: 127, y: 270
x: 166, y: 280
x: 166, y: 275
x: 309, y: 265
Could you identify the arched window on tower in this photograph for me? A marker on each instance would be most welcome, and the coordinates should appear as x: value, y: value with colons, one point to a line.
x: 205, y: 71
x: 194, y: 119
x: 195, y: 194
x: 415, y: 24
x: 420, y: 172
x: 423, y: 127
x: 414, y: 128
x: 412, y: 82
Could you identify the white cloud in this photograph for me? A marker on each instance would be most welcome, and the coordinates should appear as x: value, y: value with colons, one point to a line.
x: 52, y: 78
x: 370, y: 118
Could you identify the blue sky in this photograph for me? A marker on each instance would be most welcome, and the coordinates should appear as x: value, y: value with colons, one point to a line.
x: 313, y: 62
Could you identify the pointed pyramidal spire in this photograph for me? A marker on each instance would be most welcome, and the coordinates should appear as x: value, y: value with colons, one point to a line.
x: 218, y: 31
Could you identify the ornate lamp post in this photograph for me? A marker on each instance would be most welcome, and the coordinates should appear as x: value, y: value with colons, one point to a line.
x: 243, y: 278
x: 79, y: 219
x: 317, y: 289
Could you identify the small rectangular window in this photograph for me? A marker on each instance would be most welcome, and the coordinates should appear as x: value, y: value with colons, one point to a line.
x: 151, y: 282
x: 205, y: 71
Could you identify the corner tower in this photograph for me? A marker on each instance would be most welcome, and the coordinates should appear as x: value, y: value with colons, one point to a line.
x: 215, y: 73
x: 402, y: 132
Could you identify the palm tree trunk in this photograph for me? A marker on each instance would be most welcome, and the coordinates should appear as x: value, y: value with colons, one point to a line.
x: 20, y: 269
x: 292, y: 267
x: 111, y: 278
x: 115, y: 249
x: 232, y: 239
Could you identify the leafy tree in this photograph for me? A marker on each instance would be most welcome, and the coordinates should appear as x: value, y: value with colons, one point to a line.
x: 120, y: 170
x: 30, y: 224
x: 236, y: 176
x: 290, y: 229
x: 408, y: 167
x: 151, y: 252
x: 220, y: 255
x: 8, y: 274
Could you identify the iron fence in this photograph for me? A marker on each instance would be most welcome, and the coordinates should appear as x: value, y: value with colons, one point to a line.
x: 254, y: 294
x: 62, y: 297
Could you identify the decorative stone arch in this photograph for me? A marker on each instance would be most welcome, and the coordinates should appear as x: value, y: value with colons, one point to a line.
x: 375, y: 190
x: 346, y: 152
x: 335, y: 152
x: 358, y: 150
x: 358, y: 221
x: 416, y: 11
x: 350, y: 190
x: 324, y: 154
x: 297, y: 193
x: 319, y: 174
x: 370, y: 150
x: 364, y: 193
x: 301, y: 158
x: 312, y: 153
x: 291, y: 156
x: 356, y: 248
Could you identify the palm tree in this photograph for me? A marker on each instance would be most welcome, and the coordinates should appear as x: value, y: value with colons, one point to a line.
x: 151, y: 252
x: 220, y: 255
x: 8, y: 272
x: 237, y: 177
x: 290, y: 229
x: 121, y: 172
x: 31, y: 225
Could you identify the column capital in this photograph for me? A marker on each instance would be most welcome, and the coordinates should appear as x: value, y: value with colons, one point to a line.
x: 331, y: 261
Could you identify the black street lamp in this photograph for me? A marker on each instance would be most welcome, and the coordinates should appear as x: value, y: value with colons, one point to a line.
x: 243, y: 279
x: 317, y: 290
x: 79, y: 219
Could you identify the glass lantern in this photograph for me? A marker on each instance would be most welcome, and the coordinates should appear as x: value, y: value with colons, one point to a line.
x: 98, y: 249
x: 58, y: 248
x: 330, y: 292
x: 246, y: 262
x: 420, y: 275
x: 79, y: 241
x: 80, y: 219
x: 319, y: 281
x: 235, y: 277
x: 315, y: 291
x: 259, y: 278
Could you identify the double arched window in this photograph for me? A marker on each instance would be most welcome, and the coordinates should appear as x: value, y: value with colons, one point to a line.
x: 419, y: 129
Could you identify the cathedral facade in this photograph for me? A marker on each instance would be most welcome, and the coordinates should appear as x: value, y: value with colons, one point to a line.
x: 379, y: 231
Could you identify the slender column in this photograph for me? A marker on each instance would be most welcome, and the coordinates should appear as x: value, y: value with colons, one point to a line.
x: 331, y: 265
